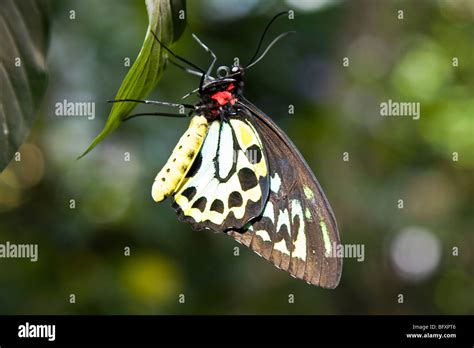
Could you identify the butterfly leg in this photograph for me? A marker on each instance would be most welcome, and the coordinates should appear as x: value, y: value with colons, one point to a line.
x: 175, y: 55
x: 154, y: 102
x: 188, y: 70
x: 214, y: 59
x: 208, y: 50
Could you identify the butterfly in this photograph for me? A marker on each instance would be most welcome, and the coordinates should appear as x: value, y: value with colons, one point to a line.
x: 234, y: 171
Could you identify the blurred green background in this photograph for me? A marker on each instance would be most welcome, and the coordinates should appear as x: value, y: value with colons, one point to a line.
x: 408, y: 251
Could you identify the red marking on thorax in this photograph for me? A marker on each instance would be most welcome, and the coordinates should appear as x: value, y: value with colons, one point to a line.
x: 224, y: 97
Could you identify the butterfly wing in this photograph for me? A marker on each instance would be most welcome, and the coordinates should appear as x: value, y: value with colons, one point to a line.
x: 228, y: 184
x: 297, y: 231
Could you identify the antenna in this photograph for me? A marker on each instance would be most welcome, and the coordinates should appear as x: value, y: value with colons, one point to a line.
x: 263, y: 35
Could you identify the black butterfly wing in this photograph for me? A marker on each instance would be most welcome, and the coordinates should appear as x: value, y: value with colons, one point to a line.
x: 297, y: 231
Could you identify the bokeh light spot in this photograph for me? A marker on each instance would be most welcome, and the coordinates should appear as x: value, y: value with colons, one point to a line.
x: 151, y: 278
x: 415, y: 252
x: 311, y: 5
x: 422, y: 72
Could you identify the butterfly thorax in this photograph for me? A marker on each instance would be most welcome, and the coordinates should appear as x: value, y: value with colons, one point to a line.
x: 218, y: 97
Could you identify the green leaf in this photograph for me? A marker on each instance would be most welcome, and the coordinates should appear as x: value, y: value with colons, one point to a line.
x: 146, y: 71
x: 24, y: 33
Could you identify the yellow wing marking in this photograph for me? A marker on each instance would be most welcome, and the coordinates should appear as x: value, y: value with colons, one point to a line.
x: 170, y: 178
x: 248, y: 138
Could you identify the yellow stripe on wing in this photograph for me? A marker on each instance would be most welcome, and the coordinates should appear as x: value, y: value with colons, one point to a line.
x: 170, y: 178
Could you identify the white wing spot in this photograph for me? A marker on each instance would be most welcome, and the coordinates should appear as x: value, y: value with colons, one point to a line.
x: 269, y: 212
x: 264, y: 235
x: 275, y: 183
x: 226, y: 147
x: 284, y: 219
x: 281, y: 246
x: 300, y: 241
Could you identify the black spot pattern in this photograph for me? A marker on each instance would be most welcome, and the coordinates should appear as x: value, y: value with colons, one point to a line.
x: 296, y: 228
x: 254, y: 154
x: 200, y: 204
x: 284, y: 234
x: 189, y: 193
x: 235, y: 199
x: 196, y: 165
x: 283, y: 231
x: 217, y: 206
x: 247, y: 179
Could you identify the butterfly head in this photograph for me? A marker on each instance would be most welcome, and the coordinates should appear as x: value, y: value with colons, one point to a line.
x: 225, y: 76
x: 235, y: 71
